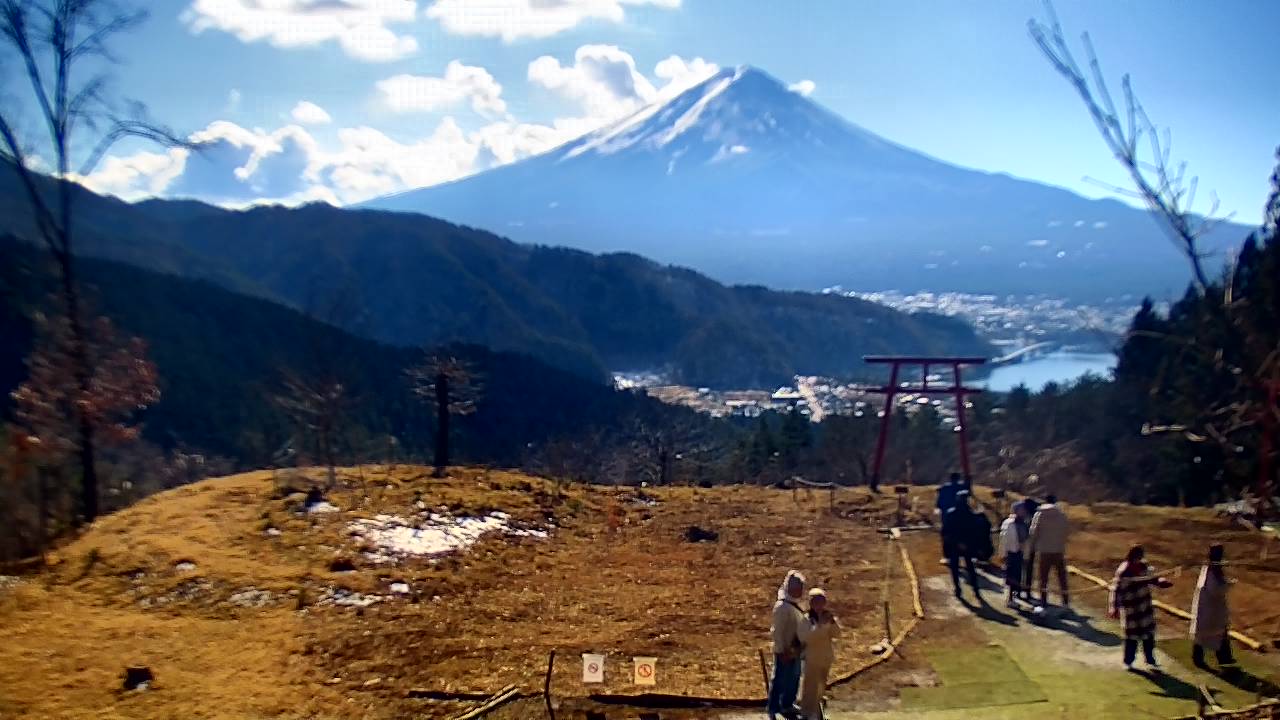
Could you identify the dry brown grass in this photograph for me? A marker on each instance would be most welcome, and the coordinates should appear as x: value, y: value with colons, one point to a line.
x: 616, y: 576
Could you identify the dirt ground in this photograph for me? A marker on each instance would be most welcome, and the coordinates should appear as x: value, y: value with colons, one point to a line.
x: 223, y: 589
x: 226, y: 591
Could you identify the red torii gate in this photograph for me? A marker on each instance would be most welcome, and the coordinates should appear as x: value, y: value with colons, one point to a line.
x: 891, y: 389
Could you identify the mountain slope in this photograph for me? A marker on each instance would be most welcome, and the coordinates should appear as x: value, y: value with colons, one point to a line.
x: 221, y: 358
x: 747, y: 181
x: 411, y: 280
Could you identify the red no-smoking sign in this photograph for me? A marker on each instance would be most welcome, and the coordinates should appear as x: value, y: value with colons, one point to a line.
x: 645, y: 670
x: 592, y: 668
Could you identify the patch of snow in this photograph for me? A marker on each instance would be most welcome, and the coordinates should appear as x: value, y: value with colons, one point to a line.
x: 395, y: 537
x: 184, y: 566
x: 8, y: 581
x: 400, y: 588
x: 273, y: 532
x: 324, y: 506
x: 348, y: 598
x: 690, y: 117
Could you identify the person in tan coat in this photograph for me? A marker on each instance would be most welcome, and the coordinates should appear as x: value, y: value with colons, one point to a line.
x: 790, y: 632
x: 819, y: 654
x: 1048, y: 539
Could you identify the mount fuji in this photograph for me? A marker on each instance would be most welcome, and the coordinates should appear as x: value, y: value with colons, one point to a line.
x: 745, y: 180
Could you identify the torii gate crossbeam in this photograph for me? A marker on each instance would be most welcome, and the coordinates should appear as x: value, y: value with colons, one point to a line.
x: 958, y: 390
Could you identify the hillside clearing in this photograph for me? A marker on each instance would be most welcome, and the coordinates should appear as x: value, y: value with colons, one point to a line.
x: 244, y: 603
x: 246, y: 600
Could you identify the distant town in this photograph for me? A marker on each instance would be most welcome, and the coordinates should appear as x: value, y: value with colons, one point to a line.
x: 1021, y: 327
x: 1016, y: 321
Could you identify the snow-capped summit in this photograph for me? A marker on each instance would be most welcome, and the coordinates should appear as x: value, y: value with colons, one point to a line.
x: 751, y: 182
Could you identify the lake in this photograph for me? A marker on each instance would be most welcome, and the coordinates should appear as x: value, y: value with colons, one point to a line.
x: 1059, y: 367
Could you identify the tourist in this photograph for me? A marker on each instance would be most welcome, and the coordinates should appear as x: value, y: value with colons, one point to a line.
x: 819, y: 654
x: 947, y: 493
x: 790, y: 630
x: 966, y: 535
x: 1029, y: 507
x: 1209, y: 616
x: 1049, y: 531
x: 1131, y: 600
x: 1014, y: 532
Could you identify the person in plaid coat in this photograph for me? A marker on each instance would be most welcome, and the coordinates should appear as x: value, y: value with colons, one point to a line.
x: 1131, y: 600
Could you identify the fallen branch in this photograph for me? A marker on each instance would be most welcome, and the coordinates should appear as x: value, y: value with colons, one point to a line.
x: 502, y: 697
x: 663, y: 701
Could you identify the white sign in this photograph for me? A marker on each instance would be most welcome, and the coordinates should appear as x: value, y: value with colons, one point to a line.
x: 592, y: 668
x: 645, y: 670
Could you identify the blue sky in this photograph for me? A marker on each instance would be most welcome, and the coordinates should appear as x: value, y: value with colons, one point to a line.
x: 404, y: 93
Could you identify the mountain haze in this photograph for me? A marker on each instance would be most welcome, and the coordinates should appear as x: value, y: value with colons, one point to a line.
x: 747, y: 181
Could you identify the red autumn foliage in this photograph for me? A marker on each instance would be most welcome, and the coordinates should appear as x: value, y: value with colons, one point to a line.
x: 49, y: 404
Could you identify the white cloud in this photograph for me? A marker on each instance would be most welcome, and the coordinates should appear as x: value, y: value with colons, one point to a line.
x: 602, y: 80
x: 144, y: 174
x: 309, y: 113
x: 237, y: 166
x: 360, y: 27
x: 681, y: 74
x: 512, y: 20
x: 804, y: 88
x: 233, y: 101
x: 460, y: 83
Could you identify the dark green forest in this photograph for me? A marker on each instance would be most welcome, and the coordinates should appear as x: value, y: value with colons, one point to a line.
x: 222, y: 356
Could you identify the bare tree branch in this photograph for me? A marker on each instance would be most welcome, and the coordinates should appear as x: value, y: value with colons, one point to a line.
x: 1166, y: 191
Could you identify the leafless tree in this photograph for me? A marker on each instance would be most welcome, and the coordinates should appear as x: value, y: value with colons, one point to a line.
x: 317, y: 406
x: 50, y: 40
x: 450, y: 386
x: 665, y: 450
x: 1242, y: 354
x: 1163, y: 185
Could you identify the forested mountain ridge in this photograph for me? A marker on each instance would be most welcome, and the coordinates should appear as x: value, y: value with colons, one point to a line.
x: 222, y: 358
x: 413, y: 280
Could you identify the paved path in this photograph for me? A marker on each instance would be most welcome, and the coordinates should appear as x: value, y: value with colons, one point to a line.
x: 1075, y: 661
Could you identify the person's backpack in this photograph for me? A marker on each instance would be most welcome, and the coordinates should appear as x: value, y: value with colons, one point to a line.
x: 982, y: 547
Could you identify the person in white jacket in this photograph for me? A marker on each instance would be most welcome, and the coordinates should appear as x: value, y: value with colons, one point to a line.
x: 819, y: 654
x: 1014, y: 532
x: 790, y: 631
x: 1210, y: 618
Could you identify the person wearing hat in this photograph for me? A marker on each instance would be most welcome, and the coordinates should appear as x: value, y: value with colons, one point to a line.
x: 790, y: 631
x: 819, y: 654
x: 966, y: 535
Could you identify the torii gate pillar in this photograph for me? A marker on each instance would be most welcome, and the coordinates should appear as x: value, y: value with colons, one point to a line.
x: 957, y: 389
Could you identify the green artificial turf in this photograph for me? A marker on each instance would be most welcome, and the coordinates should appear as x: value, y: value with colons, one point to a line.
x: 980, y: 677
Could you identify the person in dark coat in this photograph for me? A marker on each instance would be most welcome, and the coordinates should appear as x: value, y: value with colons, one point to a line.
x: 966, y: 535
x: 947, y: 492
x: 1029, y: 507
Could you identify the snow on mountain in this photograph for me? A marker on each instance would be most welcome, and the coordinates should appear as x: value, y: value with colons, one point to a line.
x: 751, y: 182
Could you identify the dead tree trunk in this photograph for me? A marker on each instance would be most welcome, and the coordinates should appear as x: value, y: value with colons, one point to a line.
x: 442, y: 424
